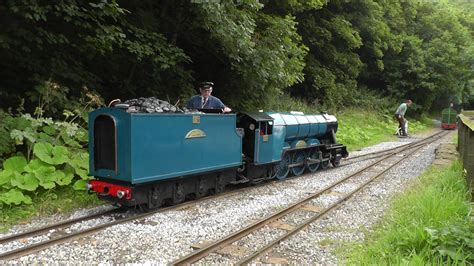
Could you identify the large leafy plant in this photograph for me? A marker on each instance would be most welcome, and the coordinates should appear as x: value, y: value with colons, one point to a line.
x: 455, y: 242
x: 49, y: 154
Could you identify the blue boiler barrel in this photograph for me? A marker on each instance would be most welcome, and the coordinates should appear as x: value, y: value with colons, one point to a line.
x: 278, y: 132
x: 298, y: 126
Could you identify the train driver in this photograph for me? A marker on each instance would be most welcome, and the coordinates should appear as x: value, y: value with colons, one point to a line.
x: 205, y: 100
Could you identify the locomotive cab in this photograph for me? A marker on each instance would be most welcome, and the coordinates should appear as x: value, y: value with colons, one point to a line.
x: 257, y: 141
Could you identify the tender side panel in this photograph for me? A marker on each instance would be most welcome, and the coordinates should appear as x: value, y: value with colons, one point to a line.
x: 175, y: 145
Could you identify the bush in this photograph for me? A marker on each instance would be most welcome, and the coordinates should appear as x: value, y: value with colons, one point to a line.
x: 49, y: 154
x: 43, y: 153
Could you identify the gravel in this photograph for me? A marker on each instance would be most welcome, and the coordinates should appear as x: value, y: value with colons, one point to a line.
x: 166, y: 236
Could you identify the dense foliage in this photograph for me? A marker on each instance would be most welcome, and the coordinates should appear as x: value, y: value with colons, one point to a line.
x: 55, y: 156
x: 39, y: 155
x: 328, y: 53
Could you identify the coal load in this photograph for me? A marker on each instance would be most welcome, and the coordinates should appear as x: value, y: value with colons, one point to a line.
x: 150, y: 105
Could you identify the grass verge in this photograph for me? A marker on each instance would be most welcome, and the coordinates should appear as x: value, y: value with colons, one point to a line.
x: 61, y: 200
x: 360, y: 128
x: 431, y: 223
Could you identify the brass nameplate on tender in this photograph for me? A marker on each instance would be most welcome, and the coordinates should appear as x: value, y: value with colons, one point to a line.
x: 265, y: 137
x: 196, y: 119
x: 195, y: 133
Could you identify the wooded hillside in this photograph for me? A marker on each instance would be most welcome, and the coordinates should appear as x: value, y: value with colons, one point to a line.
x: 328, y: 53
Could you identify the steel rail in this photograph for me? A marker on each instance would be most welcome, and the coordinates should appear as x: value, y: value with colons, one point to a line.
x: 48, y: 243
x: 335, y: 205
x: 391, y: 149
x: 37, y: 231
x: 203, y: 252
x: 45, y: 244
x: 348, y: 161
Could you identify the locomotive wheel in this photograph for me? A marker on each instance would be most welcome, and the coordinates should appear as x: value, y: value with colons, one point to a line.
x: 325, y: 164
x: 335, y: 163
x: 316, y: 155
x: 298, y: 157
x: 282, y: 169
x: 270, y: 173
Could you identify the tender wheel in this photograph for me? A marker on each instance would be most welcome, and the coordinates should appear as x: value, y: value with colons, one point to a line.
x: 178, y: 195
x: 315, y: 155
x: 220, y: 186
x: 298, y: 157
x: 282, y: 169
x: 325, y: 164
x: 154, y: 199
x: 200, y: 189
x: 144, y: 208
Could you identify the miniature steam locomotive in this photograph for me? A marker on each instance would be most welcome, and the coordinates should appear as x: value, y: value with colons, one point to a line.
x: 150, y: 159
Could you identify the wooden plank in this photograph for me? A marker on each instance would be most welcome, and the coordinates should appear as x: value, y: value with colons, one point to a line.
x: 466, y: 118
x: 311, y: 208
x: 469, y: 162
x: 233, y: 250
x: 275, y: 260
x: 466, y: 146
x: 282, y: 225
x: 201, y: 244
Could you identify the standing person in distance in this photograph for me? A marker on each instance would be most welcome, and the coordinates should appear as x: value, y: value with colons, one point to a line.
x: 400, y: 116
x: 205, y: 100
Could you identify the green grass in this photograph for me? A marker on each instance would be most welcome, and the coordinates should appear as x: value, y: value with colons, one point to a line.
x: 360, y: 128
x: 328, y: 242
x: 61, y: 200
x: 431, y: 223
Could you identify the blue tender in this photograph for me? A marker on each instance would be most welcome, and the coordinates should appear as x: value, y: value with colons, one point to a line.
x: 159, y: 146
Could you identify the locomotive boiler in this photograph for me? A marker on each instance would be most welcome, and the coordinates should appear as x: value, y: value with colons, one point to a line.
x: 151, y: 159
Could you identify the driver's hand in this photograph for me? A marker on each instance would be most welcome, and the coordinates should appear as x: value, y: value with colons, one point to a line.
x: 226, y: 109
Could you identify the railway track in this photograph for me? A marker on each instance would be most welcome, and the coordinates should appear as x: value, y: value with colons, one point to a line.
x: 307, y: 205
x: 377, y: 154
x: 28, y: 249
x: 60, y: 225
